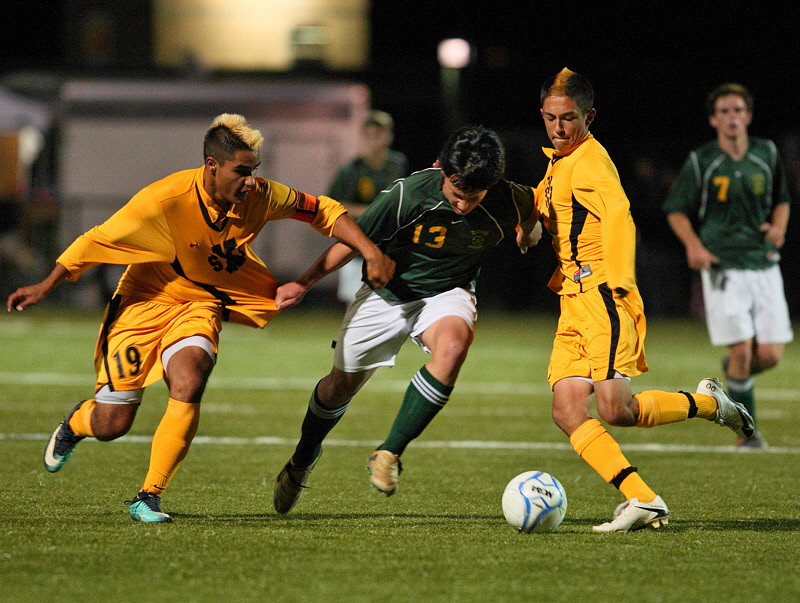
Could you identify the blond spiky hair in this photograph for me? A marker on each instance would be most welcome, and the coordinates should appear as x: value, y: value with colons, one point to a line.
x: 573, y: 85
x: 239, y: 126
x: 559, y: 87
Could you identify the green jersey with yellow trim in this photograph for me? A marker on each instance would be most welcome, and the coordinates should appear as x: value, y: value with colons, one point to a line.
x: 729, y: 201
x: 434, y: 248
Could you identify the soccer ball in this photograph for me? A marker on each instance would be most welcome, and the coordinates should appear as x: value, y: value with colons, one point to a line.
x: 534, y: 501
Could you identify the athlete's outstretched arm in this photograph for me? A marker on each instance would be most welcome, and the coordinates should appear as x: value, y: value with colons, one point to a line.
x: 333, y: 258
x: 33, y: 294
x: 352, y: 240
x: 380, y: 267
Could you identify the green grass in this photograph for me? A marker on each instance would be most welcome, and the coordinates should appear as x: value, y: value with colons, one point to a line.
x: 733, y: 535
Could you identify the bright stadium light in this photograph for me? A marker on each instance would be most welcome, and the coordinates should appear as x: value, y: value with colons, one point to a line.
x: 454, y: 53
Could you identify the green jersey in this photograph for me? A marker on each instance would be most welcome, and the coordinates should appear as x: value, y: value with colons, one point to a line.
x: 434, y: 248
x: 729, y: 200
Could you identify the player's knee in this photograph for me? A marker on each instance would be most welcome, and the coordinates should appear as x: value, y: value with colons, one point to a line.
x: 187, y: 371
x: 769, y: 359
x: 187, y: 380
x: 339, y: 387
x: 617, y: 415
x: 111, y: 431
x: 566, y: 419
x: 112, y: 421
x: 740, y: 358
x: 188, y: 388
x: 452, y: 351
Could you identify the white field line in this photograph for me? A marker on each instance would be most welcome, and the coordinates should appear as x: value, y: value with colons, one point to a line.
x: 464, y: 444
x: 376, y: 384
x: 385, y: 385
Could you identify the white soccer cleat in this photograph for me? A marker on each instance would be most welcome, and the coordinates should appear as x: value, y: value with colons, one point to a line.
x: 729, y: 412
x: 61, y: 444
x: 633, y: 515
x: 384, y: 471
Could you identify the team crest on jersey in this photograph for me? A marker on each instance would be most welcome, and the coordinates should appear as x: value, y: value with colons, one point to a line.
x: 548, y: 191
x: 366, y: 189
x: 479, y: 238
x: 226, y: 256
x: 759, y: 183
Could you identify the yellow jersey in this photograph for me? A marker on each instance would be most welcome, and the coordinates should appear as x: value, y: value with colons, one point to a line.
x: 587, y: 213
x: 180, y: 250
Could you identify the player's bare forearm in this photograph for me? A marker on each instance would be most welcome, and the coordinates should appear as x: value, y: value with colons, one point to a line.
x: 775, y: 231
x: 333, y: 258
x: 529, y: 233
x: 33, y: 294
x: 697, y: 256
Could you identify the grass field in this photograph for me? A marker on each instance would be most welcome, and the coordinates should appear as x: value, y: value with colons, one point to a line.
x: 734, y: 534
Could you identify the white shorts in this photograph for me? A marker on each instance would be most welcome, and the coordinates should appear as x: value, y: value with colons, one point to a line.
x: 746, y: 304
x: 374, y: 329
x: 349, y: 280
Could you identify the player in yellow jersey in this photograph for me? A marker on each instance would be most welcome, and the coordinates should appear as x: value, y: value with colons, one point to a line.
x: 599, y: 342
x: 187, y: 242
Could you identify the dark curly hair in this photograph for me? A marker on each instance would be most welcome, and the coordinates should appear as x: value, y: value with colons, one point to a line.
x: 474, y: 158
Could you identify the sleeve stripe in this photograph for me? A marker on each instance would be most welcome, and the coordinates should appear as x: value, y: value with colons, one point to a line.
x: 306, y: 207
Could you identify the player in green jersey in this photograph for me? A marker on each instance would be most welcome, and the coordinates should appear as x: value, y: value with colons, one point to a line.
x: 730, y: 208
x: 437, y: 225
x: 358, y: 182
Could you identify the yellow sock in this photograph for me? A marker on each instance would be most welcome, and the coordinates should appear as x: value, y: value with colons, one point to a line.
x: 81, y: 420
x: 633, y: 486
x: 171, y: 443
x: 706, y: 406
x: 660, y: 408
x: 596, y: 446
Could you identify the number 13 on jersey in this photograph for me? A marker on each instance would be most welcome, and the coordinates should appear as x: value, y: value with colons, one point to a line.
x: 437, y: 235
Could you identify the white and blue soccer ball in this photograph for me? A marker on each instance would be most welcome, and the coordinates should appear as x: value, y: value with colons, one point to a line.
x: 534, y: 501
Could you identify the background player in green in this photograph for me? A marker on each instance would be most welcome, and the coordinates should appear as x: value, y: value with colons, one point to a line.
x: 437, y: 225
x: 730, y: 208
x: 358, y: 182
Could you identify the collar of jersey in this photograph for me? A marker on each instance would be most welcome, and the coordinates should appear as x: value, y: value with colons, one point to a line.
x: 212, y: 210
x: 553, y: 153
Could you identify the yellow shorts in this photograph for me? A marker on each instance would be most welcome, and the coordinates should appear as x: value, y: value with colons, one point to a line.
x: 135, y: 333
x: 599, y: 336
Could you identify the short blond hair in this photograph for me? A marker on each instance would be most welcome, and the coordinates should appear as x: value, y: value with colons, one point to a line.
x: 573, y: 85
x: 380, y: 119
x: 229, y: 133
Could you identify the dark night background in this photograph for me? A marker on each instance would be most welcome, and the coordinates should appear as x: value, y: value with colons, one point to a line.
x: 652, y: 67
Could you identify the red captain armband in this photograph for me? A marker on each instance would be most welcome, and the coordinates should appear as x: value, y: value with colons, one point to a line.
x: 305, y: 208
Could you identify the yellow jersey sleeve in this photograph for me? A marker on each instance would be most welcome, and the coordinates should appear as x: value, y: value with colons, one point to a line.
x: 135, y: 234
x: 320, y: 213
x: 596, y: 186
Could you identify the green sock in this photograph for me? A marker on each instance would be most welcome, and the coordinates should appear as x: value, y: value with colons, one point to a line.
x: 742, y: 392
x: 318, y: 423
x: 424, y: 398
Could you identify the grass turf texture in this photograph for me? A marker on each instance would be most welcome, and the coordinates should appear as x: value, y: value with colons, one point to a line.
x: 733, y: 534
